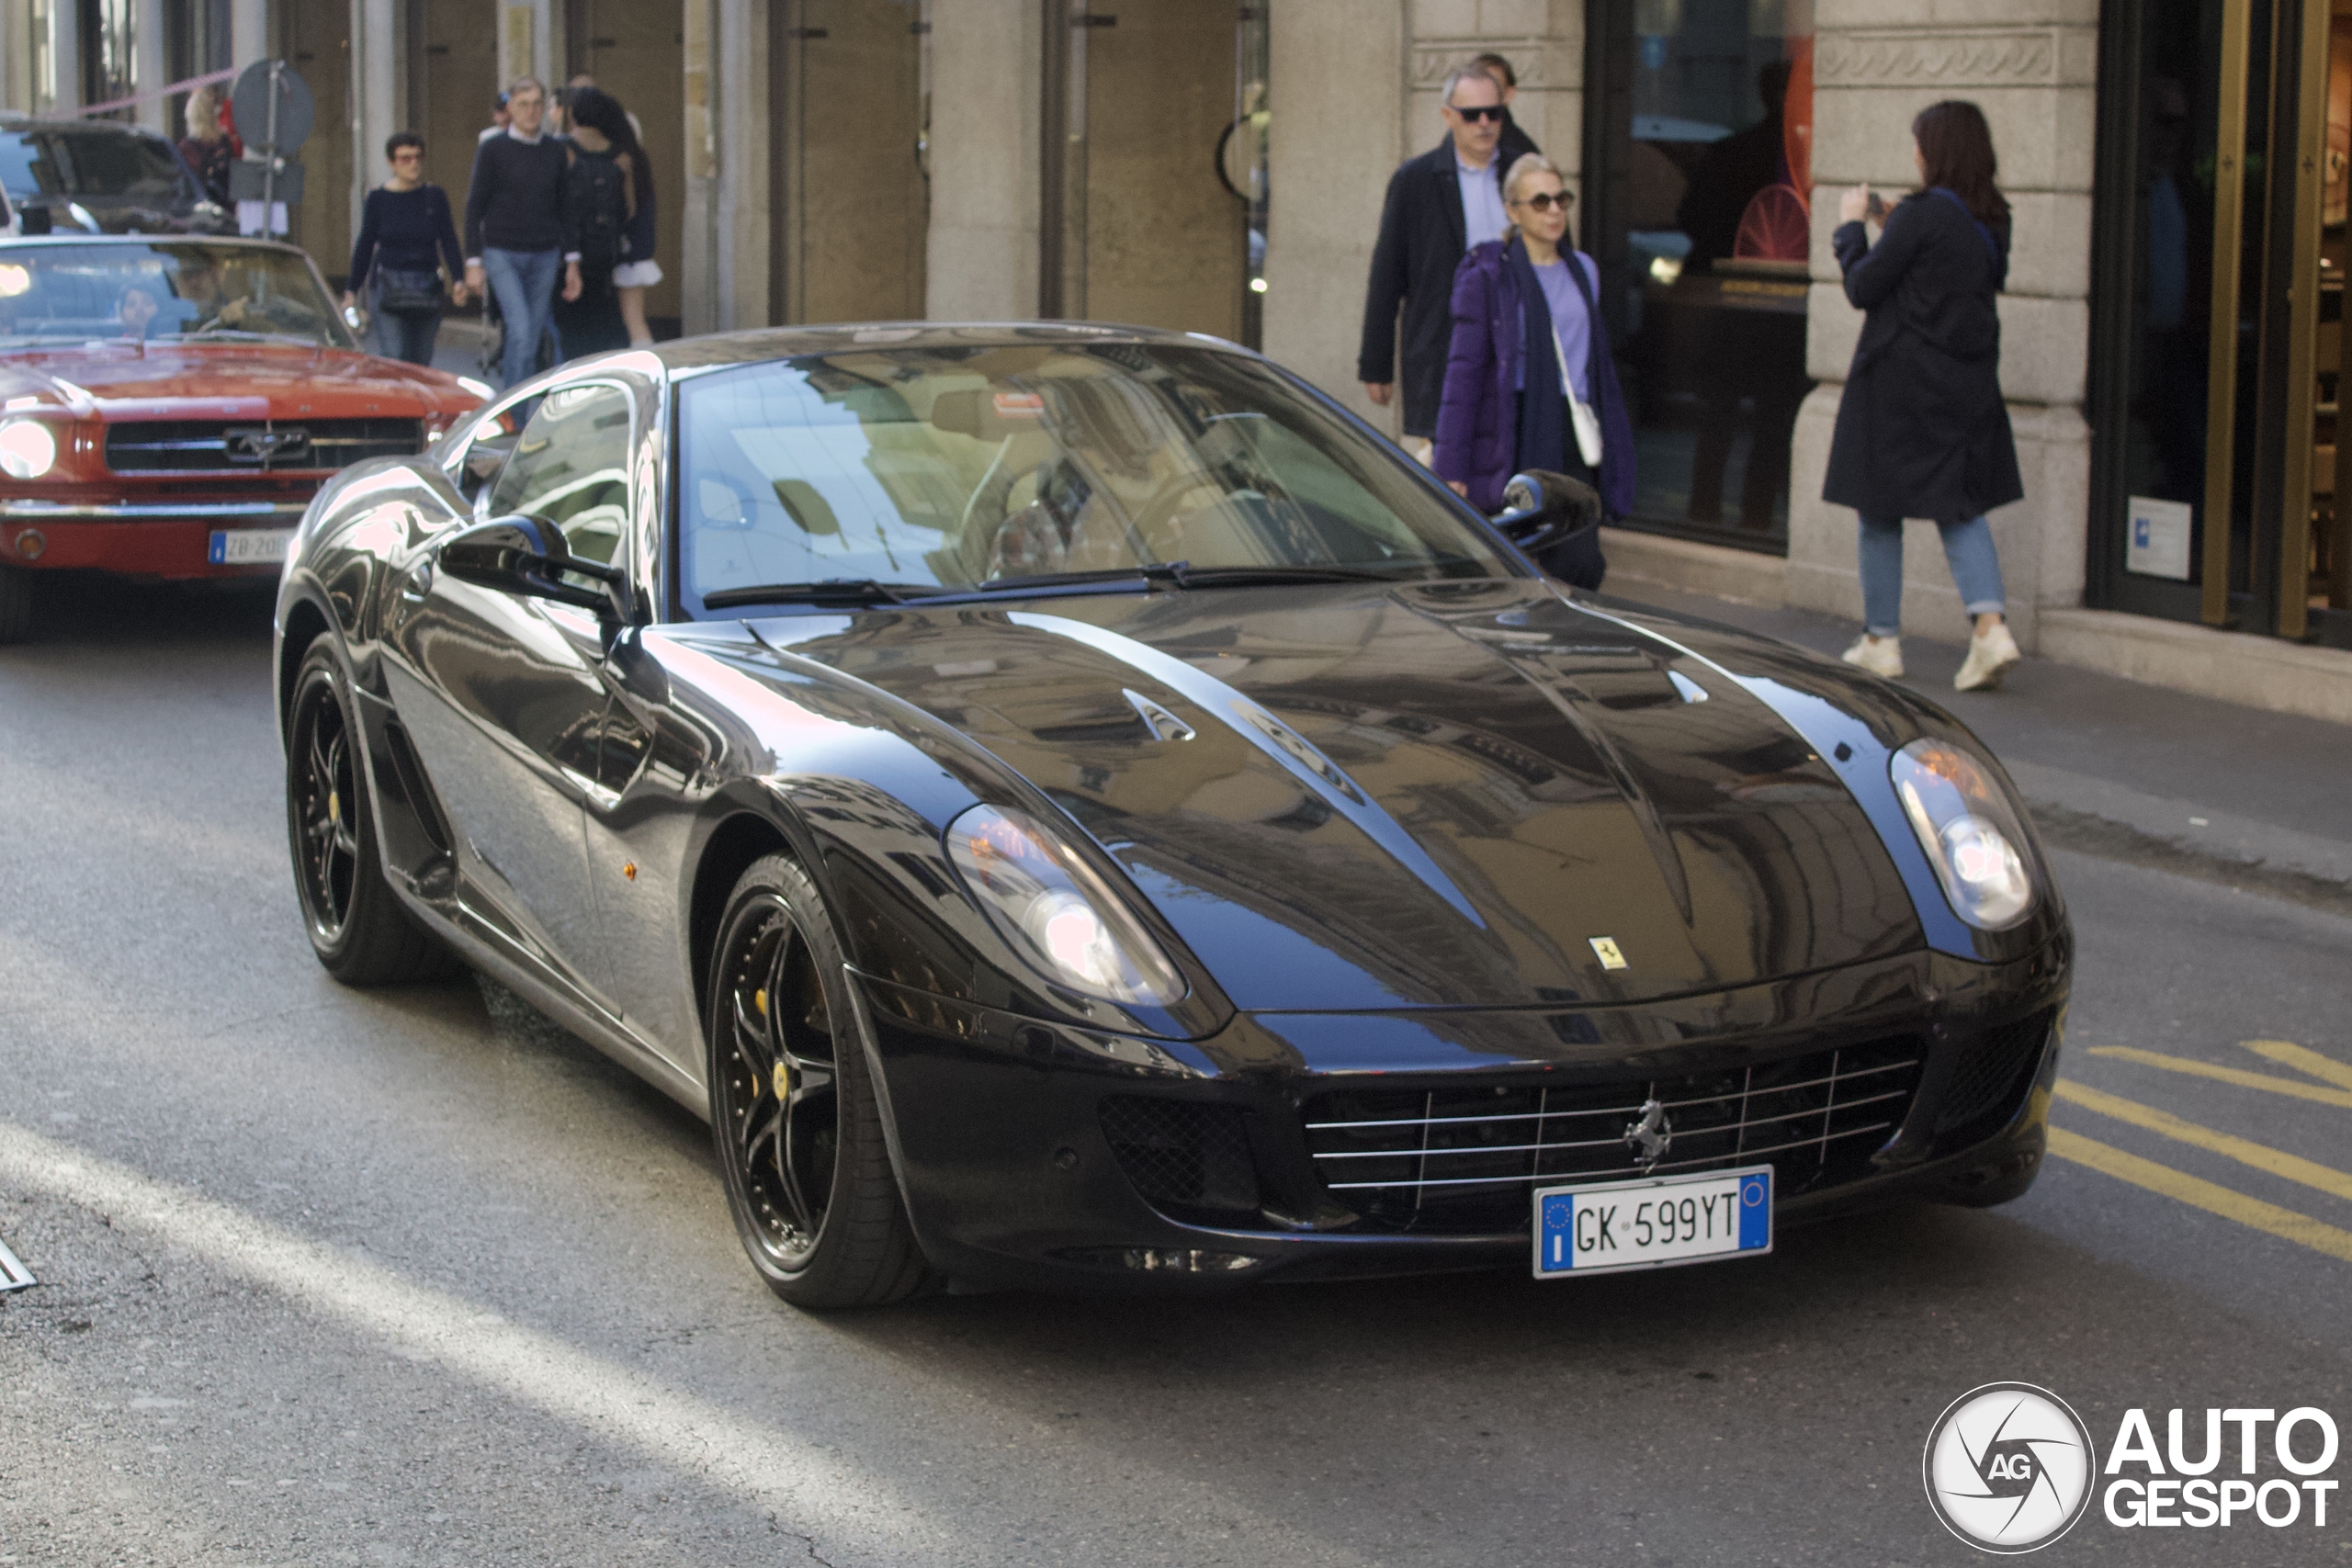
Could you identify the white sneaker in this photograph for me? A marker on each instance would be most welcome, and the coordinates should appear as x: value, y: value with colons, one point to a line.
x: 1990, y: 654
x: 1879, y: 655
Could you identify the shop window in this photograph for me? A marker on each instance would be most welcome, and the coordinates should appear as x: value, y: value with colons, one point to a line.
x: 1698, y: 196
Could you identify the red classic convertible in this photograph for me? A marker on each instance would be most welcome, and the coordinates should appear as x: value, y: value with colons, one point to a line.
x: 168, y: 406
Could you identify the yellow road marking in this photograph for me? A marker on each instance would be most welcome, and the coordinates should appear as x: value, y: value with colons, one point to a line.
x: 2239, y: 1076
x: 2294, y: 1167
x: 2303, y: 1059
x: 2301, y: 1229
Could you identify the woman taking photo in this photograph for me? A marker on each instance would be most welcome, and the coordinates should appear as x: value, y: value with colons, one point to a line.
x: 1922, y: 431
x: 405, y: 236
x: 1529, y: 380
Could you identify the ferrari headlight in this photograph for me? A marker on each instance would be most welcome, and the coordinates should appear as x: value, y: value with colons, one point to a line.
x: 1971, y: 832
x: 27, y: 449
x: 1050, y: 904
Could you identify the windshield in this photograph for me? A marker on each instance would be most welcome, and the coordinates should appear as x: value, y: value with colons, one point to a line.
x: 68, y: 293
x: 141, y: 169
x: 958, y: 467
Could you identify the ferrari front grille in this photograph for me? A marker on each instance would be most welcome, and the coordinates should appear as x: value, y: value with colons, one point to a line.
x: 201, y: 445
x: 1463, y: 1158
x: 1990, y: 1082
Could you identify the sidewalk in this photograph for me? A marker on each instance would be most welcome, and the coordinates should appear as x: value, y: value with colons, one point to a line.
x: 2238, y: 795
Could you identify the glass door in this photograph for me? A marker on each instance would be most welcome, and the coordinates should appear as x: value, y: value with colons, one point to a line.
x: 2217, y: 316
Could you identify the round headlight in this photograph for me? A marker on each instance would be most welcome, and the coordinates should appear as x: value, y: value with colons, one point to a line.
x: 27, y: 450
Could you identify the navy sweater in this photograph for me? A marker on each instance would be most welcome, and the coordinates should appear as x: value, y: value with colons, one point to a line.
x: 515, y: 201
x: 405, y: 230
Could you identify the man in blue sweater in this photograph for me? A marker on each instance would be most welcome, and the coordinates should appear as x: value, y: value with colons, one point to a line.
x: 519, y: 229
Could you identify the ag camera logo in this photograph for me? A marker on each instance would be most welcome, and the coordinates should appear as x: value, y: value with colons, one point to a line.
x: 2010, y: 1467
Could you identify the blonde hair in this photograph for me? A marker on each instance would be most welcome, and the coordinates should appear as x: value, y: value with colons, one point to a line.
x: 203, y: 114
x: 1529, y: 165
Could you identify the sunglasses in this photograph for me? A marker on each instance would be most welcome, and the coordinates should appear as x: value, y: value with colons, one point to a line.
x: 1478, y: 111
x: 1544, y: 200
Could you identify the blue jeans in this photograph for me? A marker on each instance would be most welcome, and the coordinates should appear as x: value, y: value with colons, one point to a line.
x: 1968, y: 547
x: 410, y: 338
x: 524, y: 283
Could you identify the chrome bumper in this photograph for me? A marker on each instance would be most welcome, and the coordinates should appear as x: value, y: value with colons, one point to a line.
x: 140, y: 512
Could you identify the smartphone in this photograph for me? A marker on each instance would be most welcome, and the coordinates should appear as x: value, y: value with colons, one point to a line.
x: 1877, y: 213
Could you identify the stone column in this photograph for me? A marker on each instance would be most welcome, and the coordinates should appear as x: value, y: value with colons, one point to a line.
x: 741, y: 197
x: 698, y: 235
x: 65, y: 55
x: 151, y: 66
x: 376, y: 101
x: 248, y: 32
x: 2034, y: 73
x: 987, y: 61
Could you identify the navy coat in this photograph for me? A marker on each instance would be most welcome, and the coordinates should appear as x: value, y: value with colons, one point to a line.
x: 1922, y: 431
x: 1422, y: 242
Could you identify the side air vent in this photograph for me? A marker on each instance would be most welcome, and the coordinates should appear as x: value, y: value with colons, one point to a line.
x: 1991, y: 1082
x: 1192, y: 1161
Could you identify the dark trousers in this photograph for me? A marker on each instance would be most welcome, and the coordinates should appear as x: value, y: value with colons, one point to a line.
x: 411, y: 337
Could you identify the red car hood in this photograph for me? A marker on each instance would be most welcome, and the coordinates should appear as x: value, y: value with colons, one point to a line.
x: 240, y: 380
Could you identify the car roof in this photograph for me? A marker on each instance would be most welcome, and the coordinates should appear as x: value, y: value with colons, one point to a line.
x: 34, y: 241
x: 783, y: 342
x: 15, y: 123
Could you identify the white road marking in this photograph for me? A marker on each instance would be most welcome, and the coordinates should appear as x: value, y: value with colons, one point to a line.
x: 810, y: 1489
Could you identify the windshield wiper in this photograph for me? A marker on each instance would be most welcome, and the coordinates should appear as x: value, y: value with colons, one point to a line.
x: 832, y: 591
x: 1176, y: 575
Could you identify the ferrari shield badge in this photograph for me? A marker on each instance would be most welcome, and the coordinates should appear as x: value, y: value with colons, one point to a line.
x: 1605, y: 948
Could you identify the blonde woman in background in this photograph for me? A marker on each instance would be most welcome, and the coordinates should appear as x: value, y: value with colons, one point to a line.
x: 208, y: 147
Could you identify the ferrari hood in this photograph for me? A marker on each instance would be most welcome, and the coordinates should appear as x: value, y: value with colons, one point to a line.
x: 1348, y: 796
x: 245, y: 377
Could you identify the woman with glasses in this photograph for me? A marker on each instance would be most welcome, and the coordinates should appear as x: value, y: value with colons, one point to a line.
x: 1529, y: 380
x: 406, y: 237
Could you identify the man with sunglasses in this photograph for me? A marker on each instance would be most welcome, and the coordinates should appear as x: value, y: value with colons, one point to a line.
x: 1439, y: 205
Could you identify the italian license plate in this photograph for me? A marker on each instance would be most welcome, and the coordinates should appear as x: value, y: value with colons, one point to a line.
x: 249, y: 547
x: 1653, y: 1223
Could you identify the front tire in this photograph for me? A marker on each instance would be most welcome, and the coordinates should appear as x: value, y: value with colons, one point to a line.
x: 15, y: 604
x: 357, y: 928
x: 793, y: 1108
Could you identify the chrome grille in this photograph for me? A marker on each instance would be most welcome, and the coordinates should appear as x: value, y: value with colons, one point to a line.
x: 201, y: 445
x: 1465, y: 1156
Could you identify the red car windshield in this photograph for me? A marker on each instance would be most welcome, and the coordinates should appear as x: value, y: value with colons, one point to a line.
x: 52, y: 293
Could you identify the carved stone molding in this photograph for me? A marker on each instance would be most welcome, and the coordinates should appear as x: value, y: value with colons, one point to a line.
x: 1957, y: 57
x: 1544, y: 64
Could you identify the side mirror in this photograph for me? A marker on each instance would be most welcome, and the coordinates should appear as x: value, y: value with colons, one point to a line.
x: 528, y: 557
x: 1543, y: 509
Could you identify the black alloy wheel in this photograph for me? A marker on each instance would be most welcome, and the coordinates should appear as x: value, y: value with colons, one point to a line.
x: 16, y: 603
x: 792, y: 1104
x: 356, y: 923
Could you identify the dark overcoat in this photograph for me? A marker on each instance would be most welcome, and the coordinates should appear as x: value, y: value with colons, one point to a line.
x: 1422, y: 242
x: 1922, y: 431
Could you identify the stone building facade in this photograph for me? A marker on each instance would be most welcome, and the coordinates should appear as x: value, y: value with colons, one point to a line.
x: 1220, y: 166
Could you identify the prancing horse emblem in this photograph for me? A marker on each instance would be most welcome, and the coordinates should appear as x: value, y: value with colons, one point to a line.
x: 1650, y: 1137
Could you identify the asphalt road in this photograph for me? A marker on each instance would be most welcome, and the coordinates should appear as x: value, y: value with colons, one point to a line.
x: 415, y: 1277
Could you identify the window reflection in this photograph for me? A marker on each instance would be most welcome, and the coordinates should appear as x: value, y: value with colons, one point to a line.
x: 1717, y: 191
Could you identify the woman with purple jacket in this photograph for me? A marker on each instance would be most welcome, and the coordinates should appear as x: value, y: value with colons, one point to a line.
x: 1522, y: 307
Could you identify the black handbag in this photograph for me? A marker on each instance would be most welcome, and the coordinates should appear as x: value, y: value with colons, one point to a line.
x: 410, y: 293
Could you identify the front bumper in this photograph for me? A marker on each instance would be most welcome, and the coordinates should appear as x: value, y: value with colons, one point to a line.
x: 146, y: 538
x: 999, y: 1123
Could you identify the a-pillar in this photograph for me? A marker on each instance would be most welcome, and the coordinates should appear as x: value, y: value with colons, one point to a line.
x: 2033, y: 71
